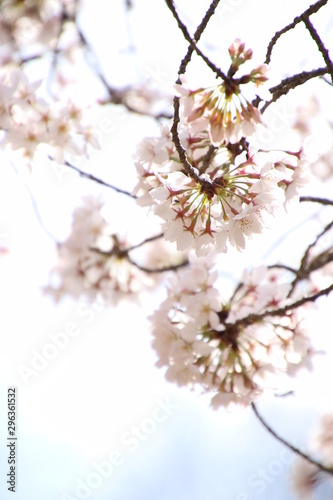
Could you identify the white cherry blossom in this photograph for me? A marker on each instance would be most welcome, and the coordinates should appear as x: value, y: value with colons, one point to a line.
x: 92, y: 261
x: 234, y: 350
x: 227, y: 198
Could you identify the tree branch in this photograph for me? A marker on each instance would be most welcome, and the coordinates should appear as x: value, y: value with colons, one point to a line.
x: 96, y: 179
x: 281, y: 311
x: 291, y: 82
x: 291, y: 447
x: 324, y: 52
x: 147, y: 240
x: 314, y: 199
x: 158, y: 269
x: 199, y: 31
x: 321, y: 260
x: 311, y: 10
x: 115, y: 96
x: 182, y: 68
x: 192, y: 42
x: 283, y: 266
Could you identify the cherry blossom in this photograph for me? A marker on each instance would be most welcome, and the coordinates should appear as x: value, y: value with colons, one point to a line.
x: 305, y: 478
x: 230, y: 198
x: 32, y: 21
x: 223, y: 109
x: 93, y: 262
x: 234, y: 350
x: 203, y: 180
x: 29, y: 121
x: 322, y: 440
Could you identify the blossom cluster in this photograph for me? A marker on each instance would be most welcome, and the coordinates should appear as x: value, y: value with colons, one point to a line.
x: 226, y: 191
x: 232, y: 197
x: 93, y: 262
x: 27, y: 121
x: 234, y: 349
x: 224, y: 109
x: 25, y: 24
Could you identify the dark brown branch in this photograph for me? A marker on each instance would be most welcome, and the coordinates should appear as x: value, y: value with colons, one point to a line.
x: 281, y: 311
x: 321, y: 260
x: 96, y: 179
x: 291, y: 447
x: 291, y: 82
x: 118, y: 97
x: 199, y: 31
x: 176, y: 118
x: 147, y: 240
x: 283, y: 266
x: 176, y: 140
x: 192, y: 42
x: 305, y: 258
x: 311, y: 10
x: 311, y: 298
x: 206, y: 159
x: 124, y: 253
x: 324, y: 52
x: 314, y: 199
x: 115, y: 96
x: 158, y: 269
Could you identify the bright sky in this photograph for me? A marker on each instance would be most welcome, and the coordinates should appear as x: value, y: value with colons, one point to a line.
x: 84, y: 404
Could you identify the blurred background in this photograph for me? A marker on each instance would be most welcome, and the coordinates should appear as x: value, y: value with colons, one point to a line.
x: 95, y: 418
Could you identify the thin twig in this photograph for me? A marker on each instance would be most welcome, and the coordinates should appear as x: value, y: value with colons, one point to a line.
x: 182, y: 68
x: 311, y: 10
x: 291, y: 447
x: 99, y: 181
x: 324, y: 52
x: 314, y: 199
x: 281, y: 311
x: 176, y: 140
x: 115, y: 96
x: 305, y: 258
x: 290, y: 83
x: 197, y: 35
x: 164, y: 269
x: 147, y: 240
x: 283, y: 266
x: 193, y: 44
x: 305, y: 268
x: 206, y: 159
x: 321, y: 260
